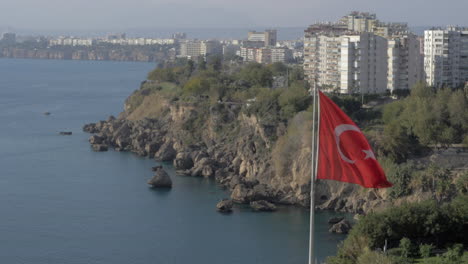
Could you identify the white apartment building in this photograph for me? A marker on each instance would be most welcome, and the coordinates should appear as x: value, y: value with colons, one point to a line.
x: 66, y: 41
x: 405, y: 62
x: 363, y: 64
x: 196, y: 48
x: 280, y: 55
x: 361, y: 54
x: 338, y: 60
x: 266, y: 55
x: 446, y: 56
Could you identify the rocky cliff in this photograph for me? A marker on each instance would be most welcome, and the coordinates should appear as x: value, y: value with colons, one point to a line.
x: 242, y: 152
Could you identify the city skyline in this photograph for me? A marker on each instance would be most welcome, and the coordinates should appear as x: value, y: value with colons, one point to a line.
x: 86, y: 15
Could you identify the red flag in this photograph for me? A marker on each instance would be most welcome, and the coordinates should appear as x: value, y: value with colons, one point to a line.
x: 344, y: 153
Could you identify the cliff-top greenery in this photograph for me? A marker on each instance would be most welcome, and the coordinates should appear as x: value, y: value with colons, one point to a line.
x: 401, y: 131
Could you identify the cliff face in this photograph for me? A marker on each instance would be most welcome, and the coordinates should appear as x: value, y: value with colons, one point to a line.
x: 254, y: 160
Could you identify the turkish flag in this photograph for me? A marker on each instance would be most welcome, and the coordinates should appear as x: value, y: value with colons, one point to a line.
x: 344, y: 153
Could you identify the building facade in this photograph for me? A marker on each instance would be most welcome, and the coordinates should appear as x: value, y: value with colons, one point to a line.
x: 266, y: 55
x: 446, y: 56
x: 360, y: 54
x: 195, y: 48
x: 339, y: 60
x: 268, y: 37
x: 405, y: 62
x: 363, y: 64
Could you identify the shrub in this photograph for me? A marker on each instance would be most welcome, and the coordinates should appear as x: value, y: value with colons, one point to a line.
x: 425, y: 250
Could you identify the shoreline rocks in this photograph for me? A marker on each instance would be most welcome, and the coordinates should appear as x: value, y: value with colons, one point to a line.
x: 342, y: 227
x: 100, y: 147
x: 262, y: 206
x: 160, y: 179
x: 335, y: 220
x: 224, y: 206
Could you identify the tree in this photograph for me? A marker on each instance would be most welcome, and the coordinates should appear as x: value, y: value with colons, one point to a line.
x: 214, y: 62
x: 421, y: 90
x: 201, y: 63
x: 196, y: 86
x: 405, y: 247
x: 278, y: 68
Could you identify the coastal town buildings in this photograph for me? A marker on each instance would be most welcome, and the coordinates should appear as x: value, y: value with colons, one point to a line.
x: 268, y: 37
x: 446, y: 56
x: 360, y: 54
x: 70, y: 41
x: 8, y: 38
x: 266, y: 55
x: 195, y: 48
x: 336, y: 59
x: 263, y: 47
x: 112, y: 39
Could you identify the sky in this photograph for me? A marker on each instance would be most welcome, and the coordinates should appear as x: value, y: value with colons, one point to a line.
x: 126, y: 14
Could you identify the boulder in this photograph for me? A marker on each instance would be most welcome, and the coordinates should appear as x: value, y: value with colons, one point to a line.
x: 183, y: 161
x: 335, y: 220
x: 224, y: 206
x: 100, y: 147
x: 263, y: 206
x: 341, y: 227
x: 95, y: 139
x: 160, y: 179
x: 65, y: 133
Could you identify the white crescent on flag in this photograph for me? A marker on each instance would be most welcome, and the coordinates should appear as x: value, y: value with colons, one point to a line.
x: 340, y: 130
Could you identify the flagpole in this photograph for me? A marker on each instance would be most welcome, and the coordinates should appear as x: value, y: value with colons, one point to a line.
x: 312, y: 179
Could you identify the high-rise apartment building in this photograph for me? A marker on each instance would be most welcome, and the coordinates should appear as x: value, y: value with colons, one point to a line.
x: 405, y: 62
x: 340, y: 60
x: 446, y: 56
x: 361, y: 54
x: 363, y: 64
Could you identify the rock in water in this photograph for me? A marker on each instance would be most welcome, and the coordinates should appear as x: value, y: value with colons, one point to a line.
x: 94, y: 139
x: 99, y: 147
x: 65, y: 133
x: 160, y: 179
x: 46, y: 113
x: 335, y: 220
x: 224, y: 206
x: 263, y: 206
x: 341, y: 227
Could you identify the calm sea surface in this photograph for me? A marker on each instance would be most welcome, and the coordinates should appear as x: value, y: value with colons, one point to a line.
x: 62, y: 203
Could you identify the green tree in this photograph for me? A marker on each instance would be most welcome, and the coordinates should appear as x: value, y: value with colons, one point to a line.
x: 196, y: 86
x: 278, y: 68
x: 406, y: 247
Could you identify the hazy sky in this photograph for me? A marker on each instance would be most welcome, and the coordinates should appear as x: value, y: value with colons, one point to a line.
x: 125, y: 14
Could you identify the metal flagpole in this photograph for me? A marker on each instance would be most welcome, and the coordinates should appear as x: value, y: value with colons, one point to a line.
x: 312, y: 178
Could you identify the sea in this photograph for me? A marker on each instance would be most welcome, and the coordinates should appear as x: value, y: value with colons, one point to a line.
x: 62, y: 203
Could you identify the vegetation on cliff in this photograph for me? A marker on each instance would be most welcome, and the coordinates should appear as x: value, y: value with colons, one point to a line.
x: 248, y: 126
x: 411, y: 232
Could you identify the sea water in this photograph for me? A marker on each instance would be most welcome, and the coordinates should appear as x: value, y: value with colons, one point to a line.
x: 62, y: 203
